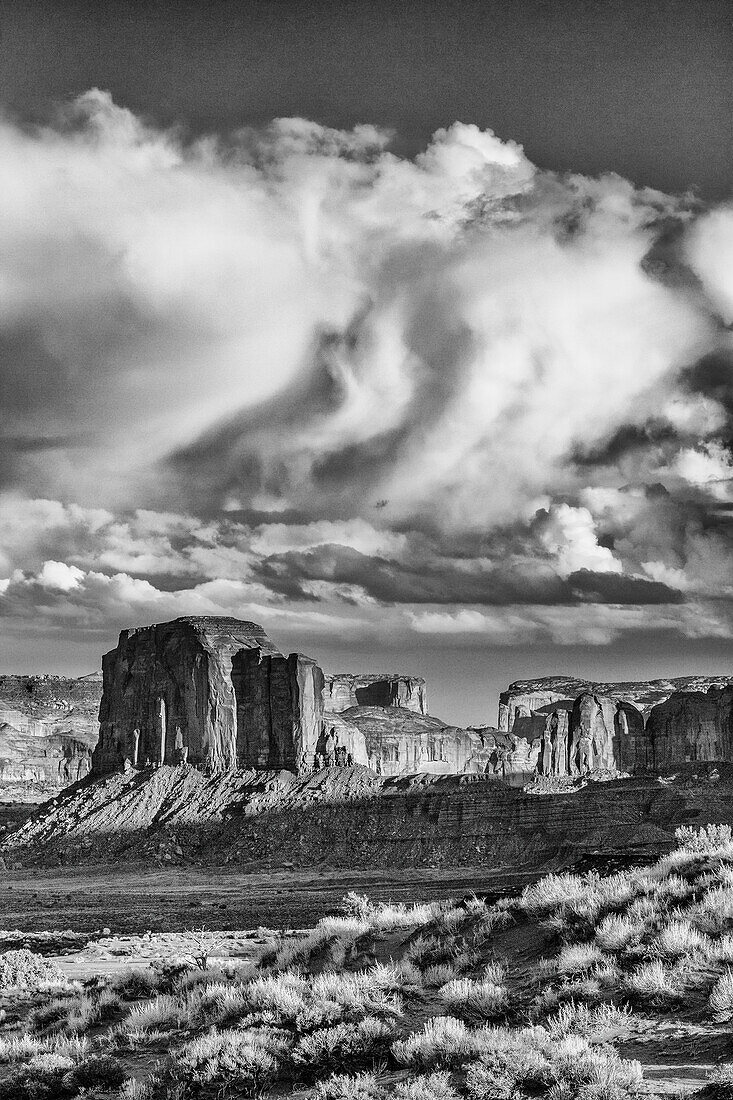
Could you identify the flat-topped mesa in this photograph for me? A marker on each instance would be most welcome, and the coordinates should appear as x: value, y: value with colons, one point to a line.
x: 344, y: 690
x: 577, y: 726
x: 213, y: 692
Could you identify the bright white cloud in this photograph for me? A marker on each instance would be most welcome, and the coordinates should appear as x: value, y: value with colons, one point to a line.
x: 57, y: 575
x: 570, y: 535
x: 402, y: 358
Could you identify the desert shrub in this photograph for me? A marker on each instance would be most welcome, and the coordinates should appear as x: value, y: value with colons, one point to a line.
x: 53, y: 1077
x: 359, y: 994
x: 551, y: 892
x: 474, y: 998
x: 673, y: 887
x: 329, y: 1047
x: 282, y: 994
x: 578, y: 957
x: 163, y: 1011
x: 98, y: 1073
x: 706, y: 840
x: 50, y: 1063
x: 82, y: 1013
x: 608, y: 975
x: 194, y: 979
x: 645, y: 911
x: 677, y: 938
x: 217, y: 1003
x: 396, y: 977
x: 340, y: 1086
x: 248, y: 1059
x: 615, y: 932
x: 51, y: 1016
x: 109, y: 1004
x: 431, y: 949
x: 427, y: 1086
x: 591, y: 1023
x: 439, y: 974
x: 714, y: 912
x: 443, y: 1042
x: 135, y: 1088
x: 19, y: 1048
x: 721, y: 997
x: 720, y: 951
x: 168, y: 972
x: 302, y: 949
x: 24, y: 973
x: 652, y: 984
x: 357, y: 905
x: 135, y: 983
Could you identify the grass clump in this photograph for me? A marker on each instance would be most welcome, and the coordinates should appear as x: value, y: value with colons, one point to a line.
x: 482, y: 999
x: 721, y: 998
x: 577, y: 958
x: 653, y: 985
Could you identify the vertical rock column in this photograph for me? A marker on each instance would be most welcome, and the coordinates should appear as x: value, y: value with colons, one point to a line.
x: 279, y: 709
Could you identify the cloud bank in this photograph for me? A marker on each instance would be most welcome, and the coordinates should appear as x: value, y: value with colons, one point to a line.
x: 288, y: 375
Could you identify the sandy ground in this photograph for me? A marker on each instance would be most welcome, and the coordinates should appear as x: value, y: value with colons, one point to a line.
x: 134, y: 899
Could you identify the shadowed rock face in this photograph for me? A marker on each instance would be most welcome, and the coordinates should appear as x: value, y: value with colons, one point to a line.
x: 48, y: 727
x: 577, y: 727
x: 279, y: 709
x: 344, y: 690
x: 214, y: 692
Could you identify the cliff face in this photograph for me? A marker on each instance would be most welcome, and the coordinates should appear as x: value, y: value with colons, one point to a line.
x: 279, y: 703
x: 214, y: 692
x: 575, y: 727
x: 48, y: 727
x: 344, y: 690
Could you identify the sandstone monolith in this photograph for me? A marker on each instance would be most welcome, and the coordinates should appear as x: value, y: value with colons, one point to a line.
x: 175, y: 693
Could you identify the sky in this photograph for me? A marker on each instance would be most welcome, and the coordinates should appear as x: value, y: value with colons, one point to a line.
x: 401, y: 329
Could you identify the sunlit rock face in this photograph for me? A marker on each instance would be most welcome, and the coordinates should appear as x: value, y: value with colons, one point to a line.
x: 399, y: 742
x: 213, y: 692
x: 48, y: 727
x: 344, y: 690
x: 577, y: 727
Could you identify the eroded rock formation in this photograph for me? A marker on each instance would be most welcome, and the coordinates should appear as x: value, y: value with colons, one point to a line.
x: 214, y: 692
x: 279, y: 709
x: 344, y: 690
x: 579, y: 727
x: 48, y: 727
x: 399, y: 742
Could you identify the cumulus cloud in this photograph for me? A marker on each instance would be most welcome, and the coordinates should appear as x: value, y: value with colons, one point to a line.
x: 290, y: 371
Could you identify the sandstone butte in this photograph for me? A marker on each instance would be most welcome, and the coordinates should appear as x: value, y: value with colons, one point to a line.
x: 217, y: 694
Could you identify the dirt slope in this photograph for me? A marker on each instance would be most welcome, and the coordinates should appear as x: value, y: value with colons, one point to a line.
x: 350, y: 817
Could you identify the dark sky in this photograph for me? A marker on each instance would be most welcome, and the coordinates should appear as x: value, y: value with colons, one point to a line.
x: 642, y: 88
